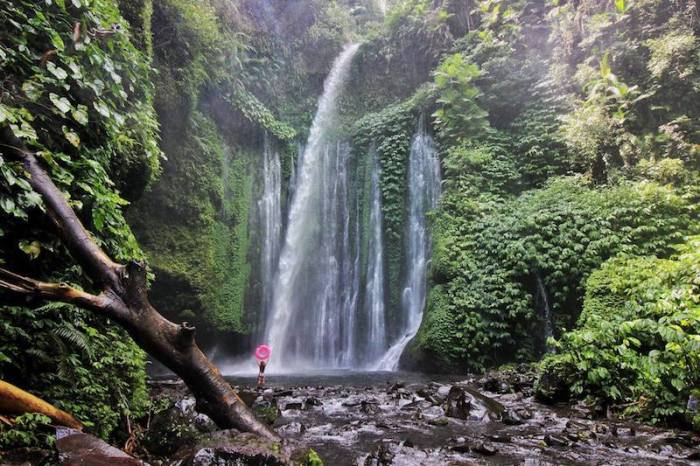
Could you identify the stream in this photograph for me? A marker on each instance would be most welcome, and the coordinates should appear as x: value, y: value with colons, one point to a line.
x: 382, y: 418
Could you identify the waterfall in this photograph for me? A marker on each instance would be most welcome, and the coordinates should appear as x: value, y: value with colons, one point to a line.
x: 423, y: 196
x: 546, y: 308
x: 315, y: 292
x: 374, y: 290
x: 270, y: 220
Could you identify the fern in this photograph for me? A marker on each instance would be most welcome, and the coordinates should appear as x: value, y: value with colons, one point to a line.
x: 76, y: 337
x: 54, y: 306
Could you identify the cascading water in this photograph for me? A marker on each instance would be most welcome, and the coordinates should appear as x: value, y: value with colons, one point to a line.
x: 546, y: 309
x: 270, y: 218
x: 374, y: 290
x: 316, y: 286
x: 424, y: 193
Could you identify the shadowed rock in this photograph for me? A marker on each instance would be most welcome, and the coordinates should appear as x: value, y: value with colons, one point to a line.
x: 77, y: 448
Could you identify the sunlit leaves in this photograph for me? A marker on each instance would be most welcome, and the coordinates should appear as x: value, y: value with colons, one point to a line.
x: 80, y: 114
x: 459, y: 116
x: 71, y: 136
x: 641, y: 325
x: 30, y: 248
x: 61, y: 103
x: 57, y: 71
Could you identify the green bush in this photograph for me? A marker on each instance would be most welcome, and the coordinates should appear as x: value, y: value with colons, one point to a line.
x: 491, y: 248
x: 81, y: 363
x: 637, y: 344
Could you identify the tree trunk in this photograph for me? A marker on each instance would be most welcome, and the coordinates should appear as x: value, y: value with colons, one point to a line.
x: 14, y: 400
x: 124, y: 299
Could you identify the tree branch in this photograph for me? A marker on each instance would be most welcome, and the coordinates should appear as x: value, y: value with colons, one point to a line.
x: 62, y: 292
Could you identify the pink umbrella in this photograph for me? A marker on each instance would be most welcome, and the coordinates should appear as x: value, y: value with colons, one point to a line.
x: 262, y: 353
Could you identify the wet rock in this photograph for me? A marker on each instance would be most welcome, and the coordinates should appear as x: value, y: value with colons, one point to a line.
x: 171, y: 428
x: 369, y: 407
x: 512, y: 418
x: 493, y: 384
x: 458, y: 403
x: 444, y: 390
x: 293, y: 405
x: 381, y: 456
x: 461, y: 446
x: 292, y: 429
x: 473, y: 446
x: 555, y: 441
x: 396, y: 387
x: 500, y: 438
x: 484, y: 448
x: 441, y: 421
x: 419, y: 404
x: 267, y: 410
x: 313, y: 401
x: 232, y: 447
x: 552, y: 387
x: 28, y: 457
x: 573, y: 424
x: 77, y: 448
x: 685, y: 439
x: 601, y: 429
x: 248, y: 396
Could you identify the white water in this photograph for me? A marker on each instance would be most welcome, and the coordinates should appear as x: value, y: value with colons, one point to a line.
x: 547, y: 309
x: 374, y: 290
x: 424, y: 193
x: 316, y: 286
x: 270, y: 218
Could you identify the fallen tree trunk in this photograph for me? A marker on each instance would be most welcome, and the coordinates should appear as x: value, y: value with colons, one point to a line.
x: 124, y: 299
x: 14, y: 400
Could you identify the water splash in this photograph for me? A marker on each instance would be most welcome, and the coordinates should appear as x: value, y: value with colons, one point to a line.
x: 423, y: 193
x: 315, y: 291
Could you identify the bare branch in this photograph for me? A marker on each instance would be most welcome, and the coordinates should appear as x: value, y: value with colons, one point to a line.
x: 62, y: 292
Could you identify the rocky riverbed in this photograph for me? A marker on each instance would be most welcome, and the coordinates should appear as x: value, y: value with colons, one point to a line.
x: 405, y: 419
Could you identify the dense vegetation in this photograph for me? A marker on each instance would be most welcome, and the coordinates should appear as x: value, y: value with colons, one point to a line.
x: 569, y: 148
x: 75, y: 89
x: 569, y: 136
x: 567, y: 141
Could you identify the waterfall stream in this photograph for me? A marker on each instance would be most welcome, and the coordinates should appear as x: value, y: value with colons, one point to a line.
x: 374, y: 294
x: 423, y: 195
x: 325, y: 306
x: 315, y: 290
x: 546, y: 308
x: 270, y: 218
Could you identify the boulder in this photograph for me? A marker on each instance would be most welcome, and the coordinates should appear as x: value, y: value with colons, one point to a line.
x: 232, y: 447
x: 77, y: 448
x: 458, y: 403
